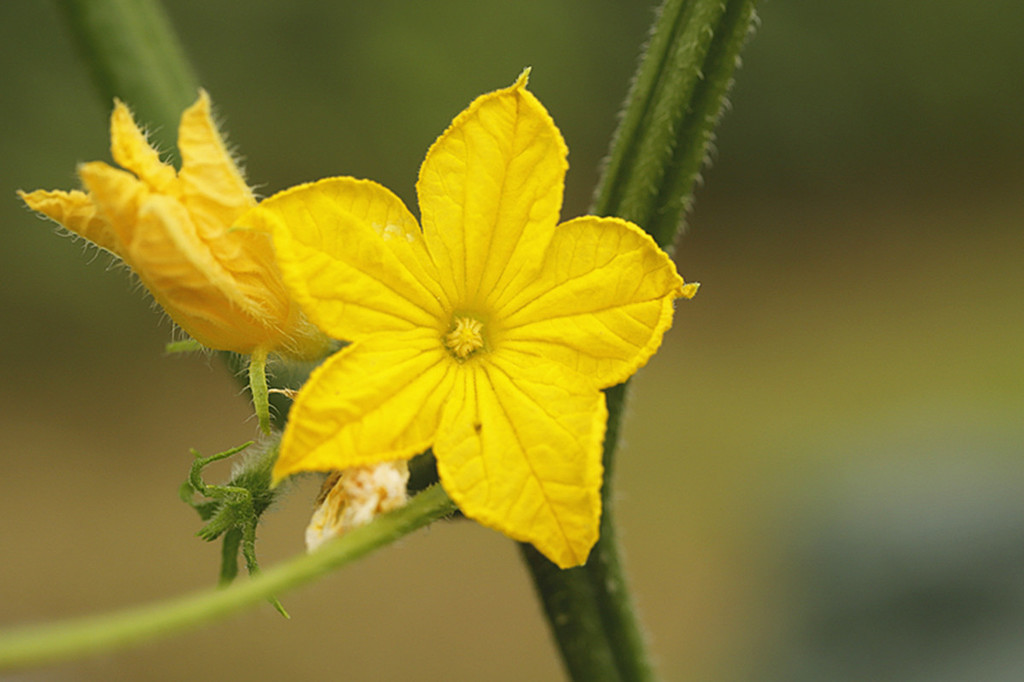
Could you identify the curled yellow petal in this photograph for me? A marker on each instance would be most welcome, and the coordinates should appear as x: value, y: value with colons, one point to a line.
x: 77, y: 212
x: 131, y: 151
x: 219, y: 284
x: 209, y: 181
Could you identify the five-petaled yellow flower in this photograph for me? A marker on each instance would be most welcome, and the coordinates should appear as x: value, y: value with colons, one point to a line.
x: 173, y: 229
x: 488, y: 334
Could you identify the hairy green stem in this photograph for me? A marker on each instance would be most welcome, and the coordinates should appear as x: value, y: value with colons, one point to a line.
x: 60, y: 641
x: 673, y: 106
x: 134, y: 55
x: 667, y: 124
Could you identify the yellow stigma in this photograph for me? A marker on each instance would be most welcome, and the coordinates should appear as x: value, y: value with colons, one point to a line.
x: 465, y: 338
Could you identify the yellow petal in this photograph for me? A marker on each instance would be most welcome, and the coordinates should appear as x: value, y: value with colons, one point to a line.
x: 77, y: 212
x: 490, y: 191
x: 352, y: 256
x: 200, y: 295
x: 521, y: 453
x: 118, y: 196
x: 132, y: 152
x: 601, y: 303
x: 211, y: 185
x: 379, y: 399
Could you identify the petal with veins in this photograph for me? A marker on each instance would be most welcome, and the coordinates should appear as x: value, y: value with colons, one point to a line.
x: 521, y: 453
x: 601, y: 303
x: 376, y: 400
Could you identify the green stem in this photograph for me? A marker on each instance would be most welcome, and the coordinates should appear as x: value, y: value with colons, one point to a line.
x: 97, y: 634
x: 657, y: 153
x: 258, y: 388
x: 604, y: 568
x: 134, y: 55
x: 570, y: 606
x: 673, y: 106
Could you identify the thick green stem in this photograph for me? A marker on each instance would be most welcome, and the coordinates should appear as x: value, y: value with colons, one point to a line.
x: 604, y: 568
x: 134, y: 55
x: 90, y: 636
x: 673, y: 106
x: 657, y: 153
x: 570, y: 606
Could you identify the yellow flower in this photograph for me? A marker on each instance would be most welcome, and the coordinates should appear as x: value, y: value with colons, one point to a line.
x: 173, y: 229
x: 487, y: 335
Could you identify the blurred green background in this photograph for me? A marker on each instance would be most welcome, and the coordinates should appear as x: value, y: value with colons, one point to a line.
x: 822, y: 470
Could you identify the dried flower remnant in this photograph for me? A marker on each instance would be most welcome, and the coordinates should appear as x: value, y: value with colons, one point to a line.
x: 353, y: 497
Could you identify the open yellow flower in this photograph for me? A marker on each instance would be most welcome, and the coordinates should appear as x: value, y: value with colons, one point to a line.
x: 487, y: 335
x: 173, y: 229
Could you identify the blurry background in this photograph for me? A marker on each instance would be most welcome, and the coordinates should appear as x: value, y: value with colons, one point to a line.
x: 822, y: 476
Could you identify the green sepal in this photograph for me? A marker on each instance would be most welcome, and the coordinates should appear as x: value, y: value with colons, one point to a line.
x: 183, y: 346
x: 233, y: 510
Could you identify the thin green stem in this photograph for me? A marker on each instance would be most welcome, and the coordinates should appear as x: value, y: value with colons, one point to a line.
x: 134, y: 54
x: 655, y: 160
x: 258, y: 388
x: 97, y: 634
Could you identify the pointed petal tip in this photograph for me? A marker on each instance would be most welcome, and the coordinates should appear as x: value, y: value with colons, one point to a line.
x: 47, y: 202
x: 121, y: 118
x: 689, y: 290
x: 202, y: 105
x: 37, y: 200
x: 523, y: 79
x: 89, y: 171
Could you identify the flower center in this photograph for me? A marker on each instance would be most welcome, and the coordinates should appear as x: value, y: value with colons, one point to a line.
x: 465, y: 338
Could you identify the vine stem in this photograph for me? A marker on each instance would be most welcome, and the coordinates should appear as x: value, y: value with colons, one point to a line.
x: 657, y: 152
x: 50, y: 643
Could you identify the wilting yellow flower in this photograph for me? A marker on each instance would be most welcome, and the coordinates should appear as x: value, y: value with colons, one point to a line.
x: 174, y: 230
x: 487, y: 335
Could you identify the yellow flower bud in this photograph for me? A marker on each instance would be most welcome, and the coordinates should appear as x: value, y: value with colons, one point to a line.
x: 174, y: 229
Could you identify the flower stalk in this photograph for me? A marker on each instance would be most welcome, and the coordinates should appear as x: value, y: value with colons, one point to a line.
x: 55, y: 642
